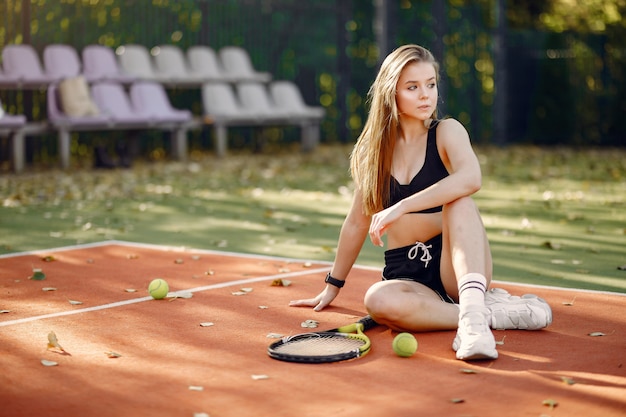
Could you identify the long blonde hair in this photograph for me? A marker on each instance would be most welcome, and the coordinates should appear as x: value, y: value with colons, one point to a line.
x: 370, y: 161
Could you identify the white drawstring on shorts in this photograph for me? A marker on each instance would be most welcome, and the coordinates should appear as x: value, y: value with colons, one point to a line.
x: 426, y: 257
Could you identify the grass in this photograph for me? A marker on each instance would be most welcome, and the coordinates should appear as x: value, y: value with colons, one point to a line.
x: 554, y: 216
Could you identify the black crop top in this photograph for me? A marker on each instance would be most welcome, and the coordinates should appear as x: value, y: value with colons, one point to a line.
x: 432, y: 171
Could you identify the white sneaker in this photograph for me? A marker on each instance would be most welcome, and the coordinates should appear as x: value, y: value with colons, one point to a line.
x: 474, y: 339
x: 527, y: 312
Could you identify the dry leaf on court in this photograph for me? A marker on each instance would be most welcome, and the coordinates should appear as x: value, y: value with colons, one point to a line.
x: 569, y: 303
x: 568, y: 380
x: 46, y: 289
x: 4, y: 311
x: 196, y: 388
x: 281, y: 283
x: 130, y: 290
x: 45, y: 362
x: 457, y: 400
x: 259, y: 377
x: 53, y: 342
x: 274, y: 336
x: 467, y: 371
x: 310, y: 324
x: 207, y: 324
x: 75, y: 303
x: 550, y: 403
x: 501, y: 342
x: 48, y: 258
x: 596, y: 334
x: 112, y: 354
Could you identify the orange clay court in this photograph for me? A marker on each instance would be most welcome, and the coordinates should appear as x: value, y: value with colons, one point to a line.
x: 126, y: 354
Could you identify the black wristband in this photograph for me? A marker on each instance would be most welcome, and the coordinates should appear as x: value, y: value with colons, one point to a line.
x: 334, y: 281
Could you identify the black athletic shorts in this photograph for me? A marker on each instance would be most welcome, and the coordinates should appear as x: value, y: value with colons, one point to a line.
x: 420, y: 263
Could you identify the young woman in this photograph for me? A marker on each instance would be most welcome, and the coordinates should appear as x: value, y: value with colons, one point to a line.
x: 414, y: 177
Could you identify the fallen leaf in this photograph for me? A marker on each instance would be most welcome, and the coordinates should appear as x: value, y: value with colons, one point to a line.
x: 45, y: 362
x: 596, y: 334
x: 48, y: 258
x: 75, y: 303
x: 239, y: 293
x: 310, y: 324
x: 551, y: 245
x: 195, y: 388
x: 281, y: 283
x: 130, y: 290
x: 201, y: 415
x: 501, y: 342
x: 53, y: 342
x: 467, y: 371
x: 247, y: 289
x: 263, y: 307
x: 260, y: 377
x: 207, y: 324
x: 4, y: 311
x: 112, y: 354
x: 568, y: 380
x: 38, y: 275
x: 48, y: 289
x: 622, y: 267
x: 550, y: 403
x: 457, y: 400
x: 569, y: 303
x: 178, y: 261
x: 274, y: 336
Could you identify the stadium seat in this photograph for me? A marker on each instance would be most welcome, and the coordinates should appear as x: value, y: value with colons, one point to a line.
x: 100, y: 64
x: 113, y: 101
x: 61, y: 61
x: 21, y: 63
x: 9, y: 122
x: 237, y: 64
x: 204, y: 61
x: 171, y: 63
x: 255, y: 98
x: 286, y: 96
x: 150, y: 99
x: 135, y: 59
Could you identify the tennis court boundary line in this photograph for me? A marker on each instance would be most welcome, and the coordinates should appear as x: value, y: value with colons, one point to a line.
x: 184, y: 249
x: 171, y: 294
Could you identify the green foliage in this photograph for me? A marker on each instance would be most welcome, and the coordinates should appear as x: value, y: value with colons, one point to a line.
x: 553, y: 216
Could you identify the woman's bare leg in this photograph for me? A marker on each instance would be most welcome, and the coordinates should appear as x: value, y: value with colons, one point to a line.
x: 410, y: 306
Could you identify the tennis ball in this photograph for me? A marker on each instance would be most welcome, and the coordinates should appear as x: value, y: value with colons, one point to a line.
x: 158, y: 288
x: 404, y: 344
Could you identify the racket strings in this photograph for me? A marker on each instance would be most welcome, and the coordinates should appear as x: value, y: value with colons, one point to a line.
x: 320, y: 345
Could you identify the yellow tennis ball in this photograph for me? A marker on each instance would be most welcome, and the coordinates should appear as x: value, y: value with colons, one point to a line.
x: 158, y: 288
x: 404, y: 344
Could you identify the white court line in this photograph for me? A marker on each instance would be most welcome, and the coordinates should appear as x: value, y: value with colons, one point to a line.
x: 148, y: 298
x: 182, y: 249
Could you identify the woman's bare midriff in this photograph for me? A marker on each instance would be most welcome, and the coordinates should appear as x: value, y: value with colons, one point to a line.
x: 413, y: 227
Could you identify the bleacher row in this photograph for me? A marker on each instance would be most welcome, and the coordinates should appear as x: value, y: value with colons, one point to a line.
x: 126, y: 88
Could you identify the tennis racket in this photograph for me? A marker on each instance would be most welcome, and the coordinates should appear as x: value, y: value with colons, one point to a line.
x: 344, y: 343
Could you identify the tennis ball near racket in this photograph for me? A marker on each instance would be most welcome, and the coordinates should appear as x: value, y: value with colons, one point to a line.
x: 404, y: 344
x: 158, y: 288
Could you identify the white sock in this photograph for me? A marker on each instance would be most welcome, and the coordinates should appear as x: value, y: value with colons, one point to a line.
x: 472, y: 288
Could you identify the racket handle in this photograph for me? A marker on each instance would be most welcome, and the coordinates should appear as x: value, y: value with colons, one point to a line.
x: 367, y: 322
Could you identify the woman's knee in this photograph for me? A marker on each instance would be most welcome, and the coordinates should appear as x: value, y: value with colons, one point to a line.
x: 463, y: 205
x: 385, y: 302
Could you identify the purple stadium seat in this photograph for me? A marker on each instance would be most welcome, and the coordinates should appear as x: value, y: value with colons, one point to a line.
x: 8, y: 81
x: 22, y: 63
x: 150, y: 99
x: 100, y: 64
x: 57, y: 116
x: 11, y: 121
x: 115, y: 102
x: 61, y: 61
